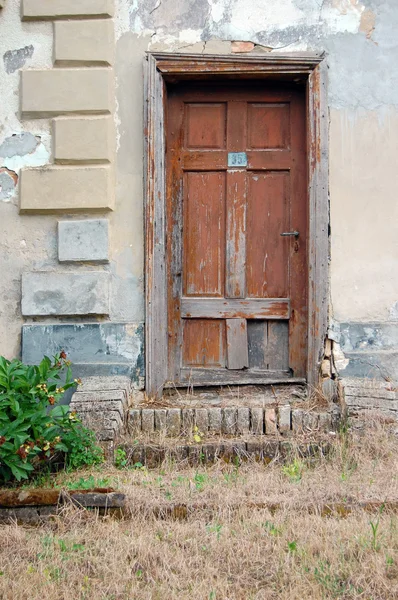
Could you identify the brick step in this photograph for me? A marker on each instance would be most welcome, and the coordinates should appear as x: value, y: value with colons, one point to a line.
x: 231, y: 421
x: 152, y: 455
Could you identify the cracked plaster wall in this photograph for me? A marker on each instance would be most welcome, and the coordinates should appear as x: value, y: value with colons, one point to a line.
x: 360, y: 39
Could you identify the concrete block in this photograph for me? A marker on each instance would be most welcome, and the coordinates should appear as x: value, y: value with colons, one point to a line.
x: 46, y: 293
x: 284, y: 418
x: 173, y: 422
x: 202, y: 419
x: 148, y: 420
x: 243, y: 421
x: 215, y: 420
x: 160, y: 419
x: 62, y: 9
x: 83, y: 241
x: 229, y: 421
x: 83, y: 42
x: 257, y: 420
x: 67, y: 189
x: 45, y: 93
x: 135, y: 421
x: 270, y: 421
x: 85, y: 139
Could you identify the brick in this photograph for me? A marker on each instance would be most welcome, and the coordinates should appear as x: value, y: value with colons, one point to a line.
x: 215, y: 421
x: 239, y: 47
x: 202, y: 420
x: 173, y: 422
x: 257, y: 421
x: 148, y: 420
x: 135, y: 421
x: 284, y: 420
x: 160, y: 419
x: 80, y: 241
x: 270, y: 421
x: 229, y: 421
x: 45, y: 93
x: 243, y: 420
x: 93, y: 41
x: 59, y: 9
x: 72, y: 188
x: 47, y: 293
x: 85, y: 139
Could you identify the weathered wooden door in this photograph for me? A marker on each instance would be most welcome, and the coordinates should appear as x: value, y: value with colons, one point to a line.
x: 236, y: 222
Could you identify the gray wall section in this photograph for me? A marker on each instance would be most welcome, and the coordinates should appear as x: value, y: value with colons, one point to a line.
x: 93, y: 348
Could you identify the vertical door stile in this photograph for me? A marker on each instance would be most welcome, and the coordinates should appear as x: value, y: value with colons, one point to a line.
x: 235, y: 263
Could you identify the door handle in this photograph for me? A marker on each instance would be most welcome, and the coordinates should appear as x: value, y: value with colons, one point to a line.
x: 287, y: 233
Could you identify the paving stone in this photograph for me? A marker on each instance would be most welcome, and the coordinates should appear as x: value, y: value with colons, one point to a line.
x: 215, y: 421
x: 229, y: 420
x: 270, y: 421
x: 173, y: 422
x: 148, y: 420
x: 284, y: 415
x: 243, y: 421
x: 84, y: 240
x: 257, y: 421
x: 160, y: 419
x: 202, y: 420
x: 135, y: 421
x: 188, y: 420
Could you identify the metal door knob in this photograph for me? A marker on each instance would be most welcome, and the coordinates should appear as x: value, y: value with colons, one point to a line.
x: 295, y: 233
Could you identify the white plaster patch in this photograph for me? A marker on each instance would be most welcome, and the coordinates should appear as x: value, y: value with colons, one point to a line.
x: 38, y: 158
x: 344, y: 16
x: 340, y: 359
x: 394, y: 311
x: 189, y: 36
x: 217, y: 8
x: 272, y: 15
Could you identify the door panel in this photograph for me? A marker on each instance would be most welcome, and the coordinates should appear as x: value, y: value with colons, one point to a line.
x: 237, y: 289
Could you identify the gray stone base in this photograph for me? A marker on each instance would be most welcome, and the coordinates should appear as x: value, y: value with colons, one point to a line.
x: 102, y: 405
x: 364, y: 397
x: 231, y: 421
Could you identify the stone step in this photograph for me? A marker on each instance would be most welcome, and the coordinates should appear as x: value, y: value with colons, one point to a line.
x: 152, y: 455
x: 230, y: 421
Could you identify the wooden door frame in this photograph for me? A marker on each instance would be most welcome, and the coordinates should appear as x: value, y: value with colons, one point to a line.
x: 163, y: 67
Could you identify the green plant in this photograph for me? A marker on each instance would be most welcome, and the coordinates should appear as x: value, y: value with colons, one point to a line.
x: 34, y: 427
x: 294, y: 470
x: 88, y: 483
x: 374, y: 525
x: 121, y: 460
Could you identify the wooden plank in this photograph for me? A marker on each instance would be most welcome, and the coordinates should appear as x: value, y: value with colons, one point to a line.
x: 224, y: 308
x: 237, y: 353
x: 318, y: 159
x: 155, y: 239
x: 208, y: 376
x: 196, y: 160
x: 235, y: 265
x: 257, y: 335
x: 204, y: 343
x: 277, y: 349
x: 269, y: 160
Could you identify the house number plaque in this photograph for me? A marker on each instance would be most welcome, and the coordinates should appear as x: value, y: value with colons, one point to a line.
x: 237, y: 159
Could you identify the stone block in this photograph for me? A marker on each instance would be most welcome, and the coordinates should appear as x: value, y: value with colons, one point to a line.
x: 173, y: 422
x: 215, y: 420
x: 257, y: 420
x: 93, y: 42
x: 45, y: 93
x: 135, y: 421
x: 86, y: 240
x: 270, y: 421
x: 101, y: 407
x: 66, y: 9
x: 297, y: 420
x: 160, y: 419
x: 229, y: 421
x: 72, y: 188
x: 325, y: 421
x: 84, y: 139
x: 188, y: 420
x: 47, y: 293
x: 202, y: 420
x: 243, y: 421
x: 284, y: 418
x: 310, y: 421
x: 148, y: 420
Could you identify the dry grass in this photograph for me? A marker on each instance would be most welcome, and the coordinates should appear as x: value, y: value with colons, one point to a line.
x: 228, y: 549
